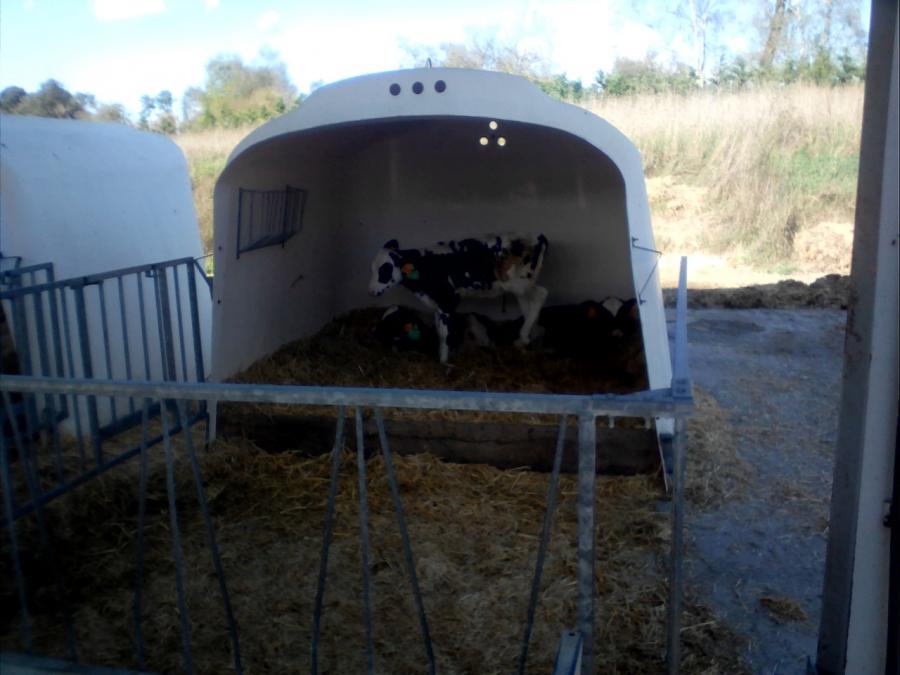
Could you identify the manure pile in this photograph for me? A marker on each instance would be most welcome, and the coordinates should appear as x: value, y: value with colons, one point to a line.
x: 474, y: 531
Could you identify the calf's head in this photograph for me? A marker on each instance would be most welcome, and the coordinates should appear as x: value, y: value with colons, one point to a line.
x: 386, y: 270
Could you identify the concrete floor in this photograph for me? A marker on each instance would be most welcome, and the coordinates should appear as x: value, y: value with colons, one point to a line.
x: 777, y: 373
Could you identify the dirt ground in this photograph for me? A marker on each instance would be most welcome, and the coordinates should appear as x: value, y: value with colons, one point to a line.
x: 766, y: 347
x: 757, y: 558
x: 827, y: 292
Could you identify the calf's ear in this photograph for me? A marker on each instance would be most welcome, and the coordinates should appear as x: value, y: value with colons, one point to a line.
x: 391, y: 245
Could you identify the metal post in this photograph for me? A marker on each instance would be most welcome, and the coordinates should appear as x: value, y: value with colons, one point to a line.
x: 164, y: 324
x: 587, y: 469
x: 404, y: 535
x: 364, y: 542
x: 76, y: 410
x: 8, y: 510
x: 211, y: 537
x: 107, y: 351
x: 127, y: 348
x: 139, y: 564
x: 88, y: 370
x: 178, y: 314
x: 176, y: 540
x: 326, y: 540
x: 195, y: 324
x: 676, y: 575
x: 545, y: 541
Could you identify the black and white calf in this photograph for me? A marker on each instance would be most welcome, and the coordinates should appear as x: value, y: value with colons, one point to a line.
x: 591, y: 328
x: 440, y: 276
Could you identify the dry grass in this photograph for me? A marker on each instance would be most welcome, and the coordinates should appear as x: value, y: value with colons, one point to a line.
x: 767, y: 163
x: 206, y: 153
x: 773, y: 161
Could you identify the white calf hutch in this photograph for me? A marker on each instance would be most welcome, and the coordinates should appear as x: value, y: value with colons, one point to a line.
x: 99, y: 239
x: 301, y: 207
x: 422, y: 156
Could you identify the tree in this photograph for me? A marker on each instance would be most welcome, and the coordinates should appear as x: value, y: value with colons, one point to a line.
x: 813, y: 34
x: 111, y: 112
x: 165, y: 120
x: 51, y: 100
x: 775, y: 27
x: 236, y: 93
x: 481, y: 55
x: 10, y: 98
x: 629, y: 76
x: 148, y: 105
x: 699, y: 20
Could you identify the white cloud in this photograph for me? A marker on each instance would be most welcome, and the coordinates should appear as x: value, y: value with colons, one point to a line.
x: 117, y: 10
x: 268, y: 20
x: 211, y: 4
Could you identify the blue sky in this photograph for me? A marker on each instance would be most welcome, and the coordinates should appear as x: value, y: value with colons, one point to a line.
x: 121, y: 49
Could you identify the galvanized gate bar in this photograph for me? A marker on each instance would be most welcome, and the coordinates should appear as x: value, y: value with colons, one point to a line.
x: 653, y: 403
x: 91, y: 279
x: 675, y: 401
x: 164, y: 323
x: 176, y: 542
x: 545, y: 540
x: 326, y: 540
x: 88, y: 370
x: 364, y: 541
x: 76, y: 412
x: 211, y: 535
x: 139, y: 562
x: 6, y: 484
x: 107, y: 352
x: 587, y: 476
x: 99, y: 469
x: 404, y: 535
x: 200, y: 374
x: 676, y: 576
x: 32, y: 481
x: 145, y: 346
x: 181, y: 346
x: 681, y: 390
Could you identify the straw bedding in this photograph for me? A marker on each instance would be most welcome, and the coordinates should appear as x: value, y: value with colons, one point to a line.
x: 346, y: 353
x: 474, y: 532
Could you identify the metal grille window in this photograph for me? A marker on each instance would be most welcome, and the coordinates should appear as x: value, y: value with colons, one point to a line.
x: 268, y: 217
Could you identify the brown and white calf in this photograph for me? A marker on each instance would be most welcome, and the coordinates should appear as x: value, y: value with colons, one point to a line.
x: 442, y: 275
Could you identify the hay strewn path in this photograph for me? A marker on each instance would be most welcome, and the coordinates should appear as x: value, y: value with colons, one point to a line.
x: 474, y: 530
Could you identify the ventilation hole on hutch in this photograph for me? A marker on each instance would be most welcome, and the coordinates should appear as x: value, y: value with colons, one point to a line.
x: 493, y: 125
x: 268, y: 217
x: 440, y: 86
x: 418, y: 87
x: 395, y: 89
